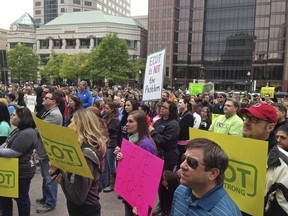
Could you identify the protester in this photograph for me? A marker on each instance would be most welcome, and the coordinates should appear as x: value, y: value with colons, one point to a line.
x: 4, y: 122
x: 51, y: 115
x: 82, y: 192
x: 84, y: 94
x: 186, y: 120
x: 146, y: 109
x: 205, y: 119
x: 197, y: 117
x: 201, y: 191
x: 74, y: 104
x: 219, y: 106
x: 165, y: 134
x: 130, y: 105
x: 21, y: 144
x: 230, y: 123
x: 113, y: 124
x: 11, y: 104
x: 276, y: 200
x: 137, y: 127
x: 259, y: 122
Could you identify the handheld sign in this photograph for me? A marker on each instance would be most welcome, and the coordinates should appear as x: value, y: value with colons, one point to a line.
x: 153, y: 81
x: 62, y: 148
x: 246, y: 173
x: 30, y: 102
x: 9, y: 177
x: 267, y: 91
x: 138, y: 177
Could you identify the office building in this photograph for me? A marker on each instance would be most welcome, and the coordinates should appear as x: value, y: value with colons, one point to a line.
x: 238, y: 44
x: 47, y: 10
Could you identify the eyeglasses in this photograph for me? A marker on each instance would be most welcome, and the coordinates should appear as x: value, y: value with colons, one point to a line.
x: 253, y: 119
x: 220, y: 97
x: 48, y: 98
x: 193, y: 163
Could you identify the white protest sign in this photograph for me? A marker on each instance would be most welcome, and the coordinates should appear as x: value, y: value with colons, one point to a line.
x: 153, y: 82
x: 31, y: 102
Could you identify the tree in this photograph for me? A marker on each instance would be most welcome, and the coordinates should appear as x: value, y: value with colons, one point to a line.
x: 110, y: 60
x: 75, y: 67
x: 138, y: 70
x: 53, y: 66
x: 23, y: 63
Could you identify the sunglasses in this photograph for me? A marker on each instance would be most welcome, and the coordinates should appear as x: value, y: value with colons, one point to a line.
x: 253, y: 119
x: 193, y: 163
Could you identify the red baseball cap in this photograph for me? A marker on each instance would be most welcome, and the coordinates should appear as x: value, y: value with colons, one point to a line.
x: 262, y: 111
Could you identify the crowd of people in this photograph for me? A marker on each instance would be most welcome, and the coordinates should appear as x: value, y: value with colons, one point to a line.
x: 193, y: 172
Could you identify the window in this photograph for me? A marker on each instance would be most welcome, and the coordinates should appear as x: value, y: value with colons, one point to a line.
x: 37, y: 12
x: 38, y: 20
x: 63, y: 10
x: 76, y: 9
x: 88, y: 3
x: 76, y: 2
x: 62, y: 1
x: 37, y: 3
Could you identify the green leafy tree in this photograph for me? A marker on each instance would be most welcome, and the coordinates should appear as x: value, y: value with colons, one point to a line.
x: 75, y: 67
x: 23, y: 63
x: 110, y: 60
x: 53, y: 66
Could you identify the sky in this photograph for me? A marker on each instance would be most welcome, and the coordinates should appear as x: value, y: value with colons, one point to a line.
x: 11, y: 10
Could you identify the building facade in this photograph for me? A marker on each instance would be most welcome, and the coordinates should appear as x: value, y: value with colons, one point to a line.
x: 47, y: 10
x: 239, y: 44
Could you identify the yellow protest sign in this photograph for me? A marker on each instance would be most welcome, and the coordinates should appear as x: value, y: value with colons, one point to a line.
x: 62, y: 148
x: 214, y: 116
x: 245, y: 176
x: 195, y: 88
x: 267, y: 90
x: 9, y: 177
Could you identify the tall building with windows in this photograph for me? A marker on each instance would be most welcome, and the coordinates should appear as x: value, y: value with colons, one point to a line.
x: 241, y: 44
x: 47, y: 10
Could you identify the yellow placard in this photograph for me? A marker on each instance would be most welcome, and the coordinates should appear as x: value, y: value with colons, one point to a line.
x: 62, y: 148
x: 246, y: 173
x: 214, y: 116
x: 267, y: 90
x: 9, y: 177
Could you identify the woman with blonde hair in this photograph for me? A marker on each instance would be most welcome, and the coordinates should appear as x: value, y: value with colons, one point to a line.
x: 81, y: 192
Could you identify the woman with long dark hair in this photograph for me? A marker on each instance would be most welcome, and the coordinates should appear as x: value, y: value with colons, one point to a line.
x: 129, y: 106
x: 74, y: 104
x: 113, y: 124
x: 21, y: 144
x: 139, y: 134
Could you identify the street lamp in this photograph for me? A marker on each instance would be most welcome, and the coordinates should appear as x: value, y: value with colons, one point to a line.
x: 249, y: 74
x: 139, y: 79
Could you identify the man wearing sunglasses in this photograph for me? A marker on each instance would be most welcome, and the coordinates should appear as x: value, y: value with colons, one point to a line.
x: 202, y: 175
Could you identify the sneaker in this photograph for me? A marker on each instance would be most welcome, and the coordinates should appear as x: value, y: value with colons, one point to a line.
x: 40, y: 201
x: 44, y: 209
x: 108, y: 189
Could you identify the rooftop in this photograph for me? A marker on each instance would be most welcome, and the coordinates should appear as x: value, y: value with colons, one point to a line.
x: 27, y: 21
x: 95, y: 16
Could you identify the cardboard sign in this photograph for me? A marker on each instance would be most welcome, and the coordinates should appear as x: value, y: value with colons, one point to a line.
x: 31, y: 102
x: 9, y: 177
x: 153, y: 81
x: 62, y: 148
x: 195, y: 88
x: 245, y: 176
x: 138, y: 177
x: 267, y: 90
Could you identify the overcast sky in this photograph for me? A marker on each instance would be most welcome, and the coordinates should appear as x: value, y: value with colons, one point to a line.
x: 11, y: 10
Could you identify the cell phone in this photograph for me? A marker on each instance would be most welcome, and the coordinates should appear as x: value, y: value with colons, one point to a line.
x: 56, y: 172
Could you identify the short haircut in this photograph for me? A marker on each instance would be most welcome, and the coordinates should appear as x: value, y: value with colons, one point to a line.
x: 283, y: 128
x: 57, y: 97
x: 236, y: 103
x: 280, y: 107
x: 214, y: 156
x: 145, y: 108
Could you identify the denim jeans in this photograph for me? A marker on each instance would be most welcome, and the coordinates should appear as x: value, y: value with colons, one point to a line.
x: 49, y: 187
x: 23, y: 201
x: 111, y: 160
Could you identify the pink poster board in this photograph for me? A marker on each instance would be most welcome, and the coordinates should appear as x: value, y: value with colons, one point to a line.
x: 138, y: 177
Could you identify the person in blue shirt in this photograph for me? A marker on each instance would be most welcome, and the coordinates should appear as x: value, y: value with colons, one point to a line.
x: 202, y: 174
x: 84, y: 94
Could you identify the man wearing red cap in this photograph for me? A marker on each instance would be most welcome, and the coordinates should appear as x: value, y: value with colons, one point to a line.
x: 259, y: 121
